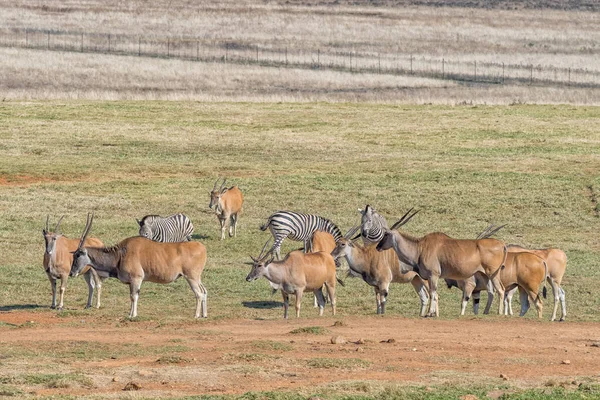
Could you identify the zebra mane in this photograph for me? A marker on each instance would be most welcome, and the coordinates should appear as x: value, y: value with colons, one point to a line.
x: 337, y: 232
x: 150, y: 216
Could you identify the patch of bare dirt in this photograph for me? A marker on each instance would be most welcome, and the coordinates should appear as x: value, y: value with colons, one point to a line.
x: 236, y: 356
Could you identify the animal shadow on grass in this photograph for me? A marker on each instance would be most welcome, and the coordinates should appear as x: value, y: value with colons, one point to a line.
x: 21, y: 307
x: 262, y: 304
x: 197, y: 236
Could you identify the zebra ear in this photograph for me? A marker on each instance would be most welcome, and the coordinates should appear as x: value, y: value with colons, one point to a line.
x: 360, y: 211
x: 138, y: 222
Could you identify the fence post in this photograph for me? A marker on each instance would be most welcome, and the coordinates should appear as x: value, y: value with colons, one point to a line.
x: 443, y: 69
x: 531, y: 74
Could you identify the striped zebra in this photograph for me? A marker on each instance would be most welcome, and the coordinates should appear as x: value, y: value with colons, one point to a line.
x: 176, y: 228
x: 297, y: 226
x: 372, y: 225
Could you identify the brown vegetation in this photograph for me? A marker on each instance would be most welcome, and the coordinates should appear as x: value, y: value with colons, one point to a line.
x: 550, y: 42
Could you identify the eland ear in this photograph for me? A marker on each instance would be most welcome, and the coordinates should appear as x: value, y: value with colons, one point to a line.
x: 361, y: 211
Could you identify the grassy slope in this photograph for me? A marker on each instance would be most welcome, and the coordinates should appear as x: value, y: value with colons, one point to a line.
x: 532, y: 167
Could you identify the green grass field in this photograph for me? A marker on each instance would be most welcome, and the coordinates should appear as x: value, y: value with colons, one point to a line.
x: 534, y: 168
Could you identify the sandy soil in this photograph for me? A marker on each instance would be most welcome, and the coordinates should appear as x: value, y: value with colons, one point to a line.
x: 236, y: 356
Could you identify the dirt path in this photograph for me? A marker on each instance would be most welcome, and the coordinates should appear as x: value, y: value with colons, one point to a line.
x: 236, y: 356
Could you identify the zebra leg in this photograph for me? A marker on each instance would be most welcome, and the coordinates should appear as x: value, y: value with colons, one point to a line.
x: 476, y: 298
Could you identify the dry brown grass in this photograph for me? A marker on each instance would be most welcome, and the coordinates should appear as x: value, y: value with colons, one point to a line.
x: 542, y: 38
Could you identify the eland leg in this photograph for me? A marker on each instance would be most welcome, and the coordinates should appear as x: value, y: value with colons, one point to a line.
x: 200, y: 293
x: 63, y: 288
x: 419, y: 286
x: 331, y: 293
x: 89, y: 279
x: 134, y: 294
x: 556, y: 294
x: 563, y: 304
x: 499, y: 287
x: 299, y: 293
x: 53, y: 286
x: 433, y: 304
x: 286, y: 304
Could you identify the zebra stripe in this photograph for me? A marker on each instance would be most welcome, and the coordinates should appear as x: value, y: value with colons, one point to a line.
x: 373, y: 226
x: 299, y: 227
x: 176, y: 228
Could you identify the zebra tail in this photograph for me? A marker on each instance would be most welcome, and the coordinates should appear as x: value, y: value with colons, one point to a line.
x: 341, y: 282
x: 265, y: 226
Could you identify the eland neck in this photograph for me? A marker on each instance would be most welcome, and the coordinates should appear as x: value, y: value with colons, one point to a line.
x: 356, y: 258
x: 407, y: 248
x: 105, y: 259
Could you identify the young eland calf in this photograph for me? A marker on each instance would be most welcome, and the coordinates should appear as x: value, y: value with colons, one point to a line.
x: 295, y: 274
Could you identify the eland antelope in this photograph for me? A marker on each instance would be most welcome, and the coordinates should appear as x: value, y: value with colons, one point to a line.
x: 437, y: 255
x: 57, y: 264
x: 295, y: 274
x: 227, y: 204
x: 138, y: 259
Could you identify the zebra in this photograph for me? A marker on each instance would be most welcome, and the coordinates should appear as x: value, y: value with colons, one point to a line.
x: 373, y: 225
x: 298, y: 226
x: 176, y: 228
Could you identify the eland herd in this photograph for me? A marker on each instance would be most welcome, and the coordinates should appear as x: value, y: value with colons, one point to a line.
x: 165, y: 251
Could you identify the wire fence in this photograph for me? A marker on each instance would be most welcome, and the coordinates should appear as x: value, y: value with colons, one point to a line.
x: 238, y: 52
